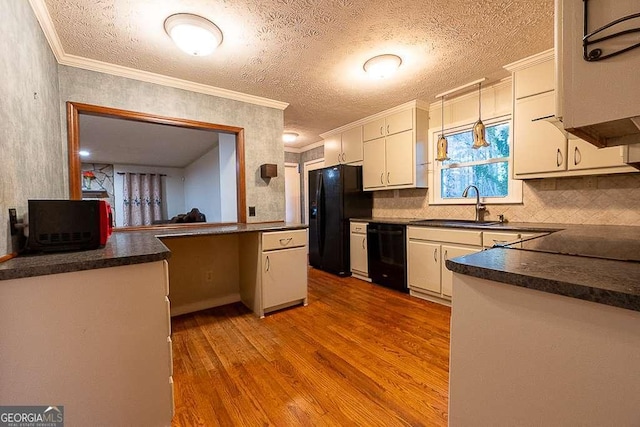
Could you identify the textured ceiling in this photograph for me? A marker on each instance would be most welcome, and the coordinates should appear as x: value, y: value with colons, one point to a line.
x: 309, y: 53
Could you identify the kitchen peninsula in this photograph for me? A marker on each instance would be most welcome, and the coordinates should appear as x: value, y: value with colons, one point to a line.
x: 101, y: 318
x: 548, y: 333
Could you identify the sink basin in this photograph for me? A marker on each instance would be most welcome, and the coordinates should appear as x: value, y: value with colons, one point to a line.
x: 454, y: 222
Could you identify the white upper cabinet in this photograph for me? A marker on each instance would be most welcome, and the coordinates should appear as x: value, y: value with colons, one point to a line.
x: 598, y: 99
x: 538, y: 145
x: 392, y: 124
x: 352, y: 145
x: 343, y: 147
x: 395, y: 149
x: 541, y: 147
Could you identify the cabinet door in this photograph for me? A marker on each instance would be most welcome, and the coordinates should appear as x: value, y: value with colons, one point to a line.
x: 373, y: 166
x: 352, y: 145
x: 399, y: 122
x: 539, y: 146
x: 536, y: 79
x: 583, y: 155
x: 284, y: 276
x: 359, y: 253
x: 423, y: 265
x: 373, y: 130
x: 400, y: 162
x: 332, y: 150
x: 449, y: 252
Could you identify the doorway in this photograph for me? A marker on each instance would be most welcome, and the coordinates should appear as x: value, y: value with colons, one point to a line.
x: 292, y: 192
x: 309, y: 166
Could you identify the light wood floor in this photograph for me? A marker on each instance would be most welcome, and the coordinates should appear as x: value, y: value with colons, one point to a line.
x: 358, y: 354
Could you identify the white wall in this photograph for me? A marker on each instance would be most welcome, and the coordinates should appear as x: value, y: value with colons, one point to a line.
x: 228, y: 184
x: 173, y: 192
x: 202, y: 185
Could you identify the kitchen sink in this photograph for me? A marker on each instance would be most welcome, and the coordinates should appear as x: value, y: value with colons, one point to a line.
x: 454, y: 222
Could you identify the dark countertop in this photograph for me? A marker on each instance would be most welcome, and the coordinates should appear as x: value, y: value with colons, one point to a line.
x: 469, y: 224
x: 123, y: 248
x: 598, y: 263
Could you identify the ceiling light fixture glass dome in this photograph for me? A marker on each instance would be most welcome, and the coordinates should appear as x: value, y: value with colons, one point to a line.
x: 289, y: 136
x: 382, y: 66
x: 193, y: 34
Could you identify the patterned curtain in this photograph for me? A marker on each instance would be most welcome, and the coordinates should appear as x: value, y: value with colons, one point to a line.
x: 142, y: 199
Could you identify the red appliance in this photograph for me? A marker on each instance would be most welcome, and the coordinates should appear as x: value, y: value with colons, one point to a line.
x: 68, y: 225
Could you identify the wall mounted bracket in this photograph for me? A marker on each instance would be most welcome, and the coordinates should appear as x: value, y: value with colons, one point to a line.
x: 588, y: 38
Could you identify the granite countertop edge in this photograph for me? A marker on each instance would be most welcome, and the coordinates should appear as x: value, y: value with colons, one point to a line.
x: 123, y: 248
x: 610, y: 293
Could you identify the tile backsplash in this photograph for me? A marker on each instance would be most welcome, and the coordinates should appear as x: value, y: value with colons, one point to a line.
x: 609, y: 199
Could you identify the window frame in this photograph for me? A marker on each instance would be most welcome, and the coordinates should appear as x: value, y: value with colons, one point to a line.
x: 514, y: 192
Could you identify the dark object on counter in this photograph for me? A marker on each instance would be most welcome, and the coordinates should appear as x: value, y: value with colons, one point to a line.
x: 68, y: 225
x: 387, y: 255
x: 194, y: 215
x: 335, y: 195
x: 268, y: 170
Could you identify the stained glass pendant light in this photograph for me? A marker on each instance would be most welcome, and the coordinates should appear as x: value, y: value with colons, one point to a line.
x: 479, y: 139
x: 442, y: 154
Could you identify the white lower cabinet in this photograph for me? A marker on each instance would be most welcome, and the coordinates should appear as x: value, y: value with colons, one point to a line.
x: 284, y: 276
x: 278, y: 277
x: 451, y: 251
x: 105, y: 335
x: 427, y: 250
x: 358, y: 250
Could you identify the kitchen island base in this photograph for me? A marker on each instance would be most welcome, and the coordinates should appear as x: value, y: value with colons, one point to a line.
x: 528, y: 358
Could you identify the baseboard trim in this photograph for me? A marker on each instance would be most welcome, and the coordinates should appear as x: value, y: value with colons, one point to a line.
x: 203, y: 305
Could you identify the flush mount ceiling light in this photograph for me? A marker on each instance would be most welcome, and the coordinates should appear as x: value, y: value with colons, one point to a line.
x: 382, y: 66
x: 289, y: 136
x: 193, y: 34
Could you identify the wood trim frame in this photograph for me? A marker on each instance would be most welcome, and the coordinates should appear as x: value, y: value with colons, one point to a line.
x: 74, y: 110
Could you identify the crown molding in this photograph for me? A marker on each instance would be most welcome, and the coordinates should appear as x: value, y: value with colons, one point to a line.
x: 530, y: 61
x: 42, y: 15
x: 417, y: 103
x: 304, y: 148
x: 44, y: 19
x: 460, y: 98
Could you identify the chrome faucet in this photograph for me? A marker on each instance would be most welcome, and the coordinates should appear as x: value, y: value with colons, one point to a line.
x: 480, y: 208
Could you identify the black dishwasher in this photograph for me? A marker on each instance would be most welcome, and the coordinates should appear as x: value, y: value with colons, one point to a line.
x: 387, y: 255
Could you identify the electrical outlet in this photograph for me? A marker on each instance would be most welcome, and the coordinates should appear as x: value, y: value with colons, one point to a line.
x: 208, y: 276
x: 252, y: 211
x: 13, y: 220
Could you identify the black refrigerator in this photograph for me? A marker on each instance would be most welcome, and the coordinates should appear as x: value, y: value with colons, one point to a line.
x: 335, y: 195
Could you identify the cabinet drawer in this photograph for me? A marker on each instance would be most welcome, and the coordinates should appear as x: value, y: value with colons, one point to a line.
x: 359, y: 227
x: 283, y: 239
x: 448, y: 235
x: 490, y: 238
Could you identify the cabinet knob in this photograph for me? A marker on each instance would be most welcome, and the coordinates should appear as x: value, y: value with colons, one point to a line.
x: 435, y: 254
x: 363, y: 239
x: 446, y: 255
x: 285, y: 242
x: 577, y: 157
x: 387, y: 129
x: 381, y: 130
x: 382, y: 178
x: 267, y: 263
